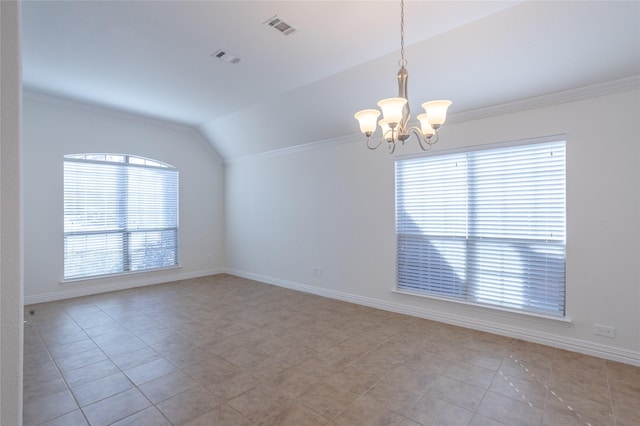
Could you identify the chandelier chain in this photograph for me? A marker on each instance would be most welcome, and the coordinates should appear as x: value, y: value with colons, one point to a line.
x: 403, y: 61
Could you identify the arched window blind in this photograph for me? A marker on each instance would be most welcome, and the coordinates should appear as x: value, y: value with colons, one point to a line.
x: 485, y: 227
x: 120, y: 215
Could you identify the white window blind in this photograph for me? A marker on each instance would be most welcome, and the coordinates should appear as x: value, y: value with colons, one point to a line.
x: 485, y: 227
x: 120, y: 215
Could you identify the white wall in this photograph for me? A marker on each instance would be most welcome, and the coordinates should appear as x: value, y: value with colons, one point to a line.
x: 54, y: 127
x: 11, y: 316
x: 331, y: 206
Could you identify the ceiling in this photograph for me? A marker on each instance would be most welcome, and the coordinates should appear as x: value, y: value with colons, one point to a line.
x: 155, y: 58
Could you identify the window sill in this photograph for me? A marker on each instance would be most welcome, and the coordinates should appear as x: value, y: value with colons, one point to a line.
x: 76, y: 281
x: 496, y: 310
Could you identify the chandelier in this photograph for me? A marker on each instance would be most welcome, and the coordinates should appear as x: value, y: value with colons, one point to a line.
x: 396, y: 114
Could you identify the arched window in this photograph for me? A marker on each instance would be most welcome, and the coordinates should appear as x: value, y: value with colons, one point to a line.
x: 120, y: 215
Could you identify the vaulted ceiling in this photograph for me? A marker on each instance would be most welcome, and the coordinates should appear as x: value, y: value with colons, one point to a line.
x: 155, y: 58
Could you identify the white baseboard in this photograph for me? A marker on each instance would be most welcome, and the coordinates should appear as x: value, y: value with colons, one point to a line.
x: 122, y: 283
x: 571, y: 344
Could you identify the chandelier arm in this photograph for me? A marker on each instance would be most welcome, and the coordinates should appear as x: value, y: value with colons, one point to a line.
x: 435, y: 138
x: 391, y: 147
x: 425, y: 144
x: 422, y: 140
x: 374, y: 147
x: 395, y: 133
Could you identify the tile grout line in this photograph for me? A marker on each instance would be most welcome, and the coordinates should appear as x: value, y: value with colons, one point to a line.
x: 64, y: 379
x: 386, y: 347
x: 109, y: 358
x: 549, y: 390
x: 613, y: 407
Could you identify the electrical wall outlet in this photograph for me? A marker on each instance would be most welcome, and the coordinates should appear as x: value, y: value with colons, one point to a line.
x: 604, y: 330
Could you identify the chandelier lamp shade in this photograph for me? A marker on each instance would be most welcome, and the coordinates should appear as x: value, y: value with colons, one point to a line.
x: 396, y: 114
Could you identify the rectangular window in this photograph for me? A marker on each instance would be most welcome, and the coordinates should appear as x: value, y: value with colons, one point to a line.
x: 120, y: 215
x: 485, y: 227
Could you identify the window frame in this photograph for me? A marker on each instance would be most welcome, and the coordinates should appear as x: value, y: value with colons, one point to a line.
x: 564, y: 317
x: 128, y: 164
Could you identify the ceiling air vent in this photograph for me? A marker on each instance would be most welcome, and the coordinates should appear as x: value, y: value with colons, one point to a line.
x: 277, y: 23
x: 225, y: 55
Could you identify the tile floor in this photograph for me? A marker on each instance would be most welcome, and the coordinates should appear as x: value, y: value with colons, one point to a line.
x: 223, y: 350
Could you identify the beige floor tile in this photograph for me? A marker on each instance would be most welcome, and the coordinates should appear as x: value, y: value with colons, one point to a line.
x: 294, y: 354
x: 232, y: 384
x: 88, y: 393
x: 210, y: 370
x: 63, y: 335
x: 582, y: 393
x: 244, y: 356
x: 74, y: 418
x: 280, y: 356
x: 225, y: 344
x: 261, y: 405
x: 409, y: 422
x: 90, y: 372
x: 150, y: 370
x: 42, y: 372
x: 35, y: 389
x: 165, y: 387
x: 479, y: 420
x: 327, y: 400
x: 117, y: 407
x: 618, y: 372
x: 135, y: 358
x: 93, y: 320
x: 509, y: 411
x: 298, y: 415
x: 367, y: 410
x: 431, y: 410
x: 159, y: 336
x: 481, y: 358
x: 222, y: 415
x: 530, y: 391
x: 532, y: 369
x: 60, y: 351
x: 469, y: 373
x: 188, y: 405
x: 187, y: 355
x: 80, y: 359
x: 556, y: 413
x: 148, y: 417
x: 355, y: 379
x: 116, y: 336
x: 402, y: 387
x: 124, y: 346
x: 424, y: 360
x: 378, y: 360
x: 294, y: 381
x: 39, y: 410
x: 457, y: 393
x: 267, y: 369
x: 104, y: 329
x: 627, y: 415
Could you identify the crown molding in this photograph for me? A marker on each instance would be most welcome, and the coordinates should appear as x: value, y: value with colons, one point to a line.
x: 296, y: 148
x: 580, y: 93
x: 572, y: 95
